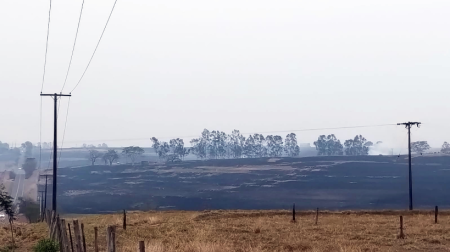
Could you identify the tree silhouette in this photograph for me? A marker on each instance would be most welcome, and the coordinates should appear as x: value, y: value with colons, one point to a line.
x: 356, y: 146
x: 445, y: 148
x: 93, y: 155
x: 328, y: 146
x: 419, y: 147
x: 274, y: 145
x: 132, y: 152
x: 7, y: 206
x: 110, y: 156
x: 290, y: 145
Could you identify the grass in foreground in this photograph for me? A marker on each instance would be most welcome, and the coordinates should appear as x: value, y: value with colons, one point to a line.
x: 255, y: 231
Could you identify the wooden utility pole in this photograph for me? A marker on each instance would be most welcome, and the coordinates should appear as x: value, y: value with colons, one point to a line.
x: 45, y: 191
x: 55, y: 145
x: 41, y: 204
x: 408, y: 125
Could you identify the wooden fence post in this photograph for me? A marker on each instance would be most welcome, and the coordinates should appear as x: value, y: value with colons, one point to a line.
x: 293, y: 213
x: 111, y: 239
x: 58, y: 233
x: 83, y: 237
x: 401, y: 236
x: 124, y: 220
x: 48, y: 217
x: 77, y: 236
x: 53, y: 225
x: 64, y: 239
x: 436, y: 211
x: 70, y: 235
x: 141, y: 246
x: 95, y: 239
x: 317, y: 216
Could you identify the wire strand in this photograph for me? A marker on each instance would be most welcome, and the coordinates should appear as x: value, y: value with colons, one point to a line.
x: 46, y: 45
x: 73, y: 48
x: 101, y: 36
x: 64, y: 132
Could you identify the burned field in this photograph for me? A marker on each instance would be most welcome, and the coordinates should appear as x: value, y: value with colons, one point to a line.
x: 333, y: 183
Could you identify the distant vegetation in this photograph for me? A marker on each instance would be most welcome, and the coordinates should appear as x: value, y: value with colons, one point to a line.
x: 217, y: 145
x: 211, y: 145
x: 7, y: 206
x: 30, y: 209
x: 419, y: 147
x: 108, y: 157
x: 445, y: 148
x: 132, y: 152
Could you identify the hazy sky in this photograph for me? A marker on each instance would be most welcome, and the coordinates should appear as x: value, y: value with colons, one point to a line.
x: 173, y: 68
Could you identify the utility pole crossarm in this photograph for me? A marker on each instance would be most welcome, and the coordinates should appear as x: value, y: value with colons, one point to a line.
x: 410, y: 124
x: 55, y: 94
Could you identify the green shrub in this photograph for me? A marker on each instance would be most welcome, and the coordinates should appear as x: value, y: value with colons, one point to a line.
x: 46, y: 245
x: 9, y: 248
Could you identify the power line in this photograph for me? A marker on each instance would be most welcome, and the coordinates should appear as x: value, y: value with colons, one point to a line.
x: 46, y: 45
x: 264, y: 132
x: 42, y: 85
x: 101, y: 36
x: 73, y: 48
x: 64, y: 133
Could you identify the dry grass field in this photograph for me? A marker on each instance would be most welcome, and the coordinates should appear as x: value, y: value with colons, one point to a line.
x: 255, y: 231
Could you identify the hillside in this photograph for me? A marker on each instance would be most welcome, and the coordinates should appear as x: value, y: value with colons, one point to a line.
x: 333, y: 183
x: 257, y: 231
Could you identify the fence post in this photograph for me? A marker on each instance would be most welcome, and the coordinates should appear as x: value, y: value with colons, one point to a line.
x: 77, y: 235
x: 64, y: 239
x: 53, y: 225
x: 436, y: 211
x: 317, y: 216
x: 293, y: 213
x: 48, y: 217
x: 83, y: 238
x: 70, y: 235
x: 401, y: 236
x: 111, y: 239
x: 124, y: 220
x: 95, y: 239
x: 141, y: 246
x: 58, y: 233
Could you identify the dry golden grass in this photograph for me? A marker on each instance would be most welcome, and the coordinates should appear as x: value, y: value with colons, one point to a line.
x: 256, y: 231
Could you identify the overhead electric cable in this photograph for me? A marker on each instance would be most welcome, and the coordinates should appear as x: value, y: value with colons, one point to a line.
x: 46, y: 45
x: 42, y: 85
x: 64, y: 132
x: 259, y: 132
x: 95, y: 50
x: 73, y: 48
